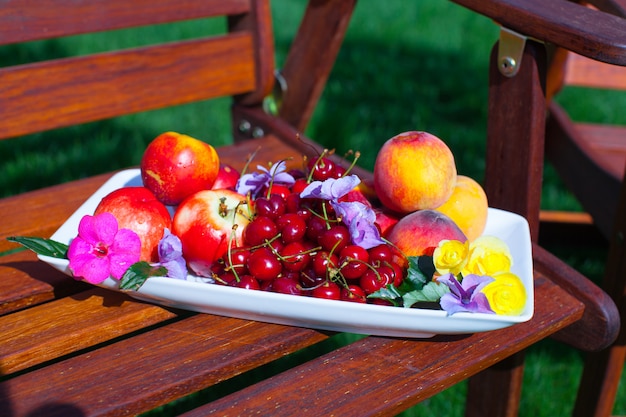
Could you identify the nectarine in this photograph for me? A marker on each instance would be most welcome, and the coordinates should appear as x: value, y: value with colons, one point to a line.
x: 137, y: 209
x: 174, y: 166
x: 207, y: 222
x: 420, y: 232
x: 414, y: 171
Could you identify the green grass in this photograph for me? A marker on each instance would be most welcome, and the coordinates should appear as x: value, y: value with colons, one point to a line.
x: 403, y: 66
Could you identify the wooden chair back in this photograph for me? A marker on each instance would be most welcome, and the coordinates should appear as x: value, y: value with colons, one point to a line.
x: 590, y: 158
x: 73, y: 90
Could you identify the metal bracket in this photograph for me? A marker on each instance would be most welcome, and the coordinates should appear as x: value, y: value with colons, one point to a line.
x: 273, y: 102
x: 510, y: 51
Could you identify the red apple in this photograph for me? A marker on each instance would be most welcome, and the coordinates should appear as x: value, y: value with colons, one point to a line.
x: 420, y: 232
x: 174, y: 166
x: 227, y: 177
x: 137, y: 209
x: 206, y: 223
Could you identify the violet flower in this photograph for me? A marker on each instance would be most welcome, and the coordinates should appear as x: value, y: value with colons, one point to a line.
x: 101, y: 250
x: 331, y: 189
x: 170, y: 251
x: 255, y: 182
x: 359, y: 218
x: 465, y: 295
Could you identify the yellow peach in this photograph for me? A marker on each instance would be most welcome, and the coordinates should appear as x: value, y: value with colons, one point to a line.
x: 467, y: 207
x: 414, y: 171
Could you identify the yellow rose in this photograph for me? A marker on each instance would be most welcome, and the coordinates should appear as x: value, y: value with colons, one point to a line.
x: 450, y: 256
x: 488, y: 255
x: 506, y: 295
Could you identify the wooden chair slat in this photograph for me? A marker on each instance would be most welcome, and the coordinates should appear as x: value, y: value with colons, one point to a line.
x: 54, y: 18
x: 155, y: 368
x: 392, y: 384
x: 584, y: 72
x: 609, y: 142
x: 46, y: 332
x: 26, y: 281
x: 600, y: 36
x: 112, y: 84
x: 41, y: 212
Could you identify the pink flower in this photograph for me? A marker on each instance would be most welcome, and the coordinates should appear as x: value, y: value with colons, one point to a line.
x: 101, y: 250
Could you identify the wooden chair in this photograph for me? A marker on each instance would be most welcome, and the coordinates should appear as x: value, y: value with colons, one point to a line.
x: 590, y: 158
x: 71, y: 349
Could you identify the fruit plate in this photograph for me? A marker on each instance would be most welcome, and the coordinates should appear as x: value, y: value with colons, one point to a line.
x: 341, y: 316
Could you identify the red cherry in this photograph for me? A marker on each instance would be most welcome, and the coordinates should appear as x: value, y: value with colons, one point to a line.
x: 334, y: 239
x: 353, y: 260
x: 236, y: 260
x: 323, y: 261
x: 299, y: 185
x: 291, y: 227
x: 309, y: 279
x: 246, y: 281
x: 295, y: 257
x: 286, y: 285
x: 263, y: 264
x: 381, y: 254
x: 315, y: 226
x: 272, y: 206
x: 353, y: 293
x: 328, y: 290
x: 280, y: 190
x: 321, y: 168
x: 260, y: 229
x: 376, y: 278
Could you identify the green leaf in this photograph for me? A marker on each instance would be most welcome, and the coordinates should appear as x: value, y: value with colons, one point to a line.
x: 389, y: 293
x: 420, y: 272
x: 431, y: 292
x: 42, y: 246
x: 138, y: 273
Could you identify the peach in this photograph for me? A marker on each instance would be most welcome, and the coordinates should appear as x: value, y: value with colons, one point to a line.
x: 414, y: 171
x: 137, y: 209
x: 420, y: 232
x: 467, y: 207
x: 175, y: 166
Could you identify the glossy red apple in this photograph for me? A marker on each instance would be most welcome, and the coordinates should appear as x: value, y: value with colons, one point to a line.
x: 174, y: 166
x: 227, y: 177
x: 206, y: 223
x: 137, y: 209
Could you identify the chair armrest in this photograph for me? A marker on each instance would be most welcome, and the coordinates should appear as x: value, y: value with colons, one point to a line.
x: 588, y: 32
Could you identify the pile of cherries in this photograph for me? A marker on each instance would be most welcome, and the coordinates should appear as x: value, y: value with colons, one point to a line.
x: 298, y: 246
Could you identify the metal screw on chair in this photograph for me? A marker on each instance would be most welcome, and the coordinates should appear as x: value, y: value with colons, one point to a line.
x: 245, y: 126
x: 508, y: 66
x: 257, y: 132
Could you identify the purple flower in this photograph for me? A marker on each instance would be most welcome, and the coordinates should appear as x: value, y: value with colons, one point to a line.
x: 331, y: 189
x: 171, y: 256
x: 360, y: 220
x: 465, y: 295
x: 255, y: 182
x: 101, y: 250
